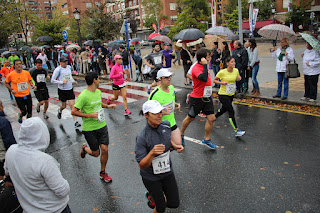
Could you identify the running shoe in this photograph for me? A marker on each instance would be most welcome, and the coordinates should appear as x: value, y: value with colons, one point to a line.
x: 38, y: 108
x: 127, y: 112
x: 45, y: 116
x: 59, y: 114
x: 240, y: 133
x: 312, y: 100
x: 151, y: 203
x: 109, y: 100
x: 19, y: 118
x: 202, y: 115
x: 104, y: 176
x: 77, y: 125
x: 188, y: 98
x: 83, y: 151
x: 208, y: 144
x: 182, y: 140
x: 148, y: 89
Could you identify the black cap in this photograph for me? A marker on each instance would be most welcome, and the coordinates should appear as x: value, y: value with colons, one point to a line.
x: 63, y: 59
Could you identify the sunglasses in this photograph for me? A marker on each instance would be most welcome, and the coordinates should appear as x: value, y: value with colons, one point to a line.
x: 168, y: 77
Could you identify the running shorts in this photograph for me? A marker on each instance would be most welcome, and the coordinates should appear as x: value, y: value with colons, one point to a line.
x: 97, y: 137
x: 118, y: 87
x: 65, y: 95
x: 24, y: 104
x: 42, y: 95
x: 200, y: 104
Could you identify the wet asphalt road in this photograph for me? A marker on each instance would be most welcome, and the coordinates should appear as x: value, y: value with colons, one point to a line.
x: 273, y: 168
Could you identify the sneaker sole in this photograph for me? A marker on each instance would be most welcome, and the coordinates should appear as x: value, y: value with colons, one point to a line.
x: 107, y: 181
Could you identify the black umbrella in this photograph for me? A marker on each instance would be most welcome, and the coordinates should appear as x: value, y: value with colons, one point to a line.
x: 64, y: 44
x: 165, y: 31
x: 110, y: 43
x: 25, y: 48
x: 90, y: 43
x: 8, y: 53
x: 44, y: 39
x: 114, y: 45
x: 190, y: 34
x: 136, y: 39
x: 45, y: 46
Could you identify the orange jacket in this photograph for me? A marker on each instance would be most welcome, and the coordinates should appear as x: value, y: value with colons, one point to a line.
x: 5, y: 71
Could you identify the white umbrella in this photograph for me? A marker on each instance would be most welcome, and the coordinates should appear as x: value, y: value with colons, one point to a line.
x: 219, y: 30
x: 189, y: 44
x: 277, y: 32
x: 71, y: 47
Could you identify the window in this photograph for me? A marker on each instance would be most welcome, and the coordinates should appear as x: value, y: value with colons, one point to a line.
x: 64, y: 5
x: 65, y: 12
x: 173, y: 6
x: 54, y: 8
x: 46, y: 3
x: 19, y: 35
x: 88, y: 5
x: 219, y: 14
x: 174, y: 18
x: 119, y: 6
x: 130, y: 3
x: 142, y: 11
x: 123, y: 5
x: 47, y: 8
x: 136, y: 13
x: 134, y: 3
x: 97, y: 4
x: 49, y: 15
x: 285, y: 4
x: 32, y: 2
x: 34, y: 8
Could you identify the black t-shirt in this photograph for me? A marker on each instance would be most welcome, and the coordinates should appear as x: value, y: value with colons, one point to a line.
x: 39, y: 78
x: 155, y: 59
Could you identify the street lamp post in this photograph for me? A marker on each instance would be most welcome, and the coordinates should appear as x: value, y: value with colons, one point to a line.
x: 76, y: 14
x: 273, y: 20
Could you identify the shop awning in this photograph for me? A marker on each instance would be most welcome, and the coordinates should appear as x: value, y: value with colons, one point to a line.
x: 259, y: 24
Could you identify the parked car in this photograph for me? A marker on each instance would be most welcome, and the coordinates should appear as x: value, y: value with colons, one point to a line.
x: 145, y: 43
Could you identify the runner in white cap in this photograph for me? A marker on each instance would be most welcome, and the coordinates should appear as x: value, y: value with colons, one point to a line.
x: 153, y: 145
x: 165, y: 94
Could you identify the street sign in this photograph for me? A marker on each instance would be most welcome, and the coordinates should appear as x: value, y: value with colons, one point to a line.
x: 123, y: 28
x: 65, y: 34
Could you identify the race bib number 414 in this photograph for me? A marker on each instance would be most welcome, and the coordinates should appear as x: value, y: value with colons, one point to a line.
x: 161, y: 163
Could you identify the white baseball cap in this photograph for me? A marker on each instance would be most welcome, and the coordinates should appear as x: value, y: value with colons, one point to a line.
x: 152, y: 106
x: 164, y: 72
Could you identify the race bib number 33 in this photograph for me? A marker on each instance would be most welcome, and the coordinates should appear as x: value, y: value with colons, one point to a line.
x: 161, y: 163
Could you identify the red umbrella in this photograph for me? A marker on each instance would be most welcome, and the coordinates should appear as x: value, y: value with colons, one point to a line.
x: 153, y: 35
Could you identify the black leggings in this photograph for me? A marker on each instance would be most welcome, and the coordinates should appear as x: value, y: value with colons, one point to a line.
x: 168, y: 187
x: 226, y: 102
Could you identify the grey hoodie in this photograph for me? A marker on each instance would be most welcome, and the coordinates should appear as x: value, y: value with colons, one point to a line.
x: 36, y: 176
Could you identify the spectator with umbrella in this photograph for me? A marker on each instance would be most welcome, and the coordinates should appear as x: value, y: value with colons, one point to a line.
x: 283, y: 55
x: 311, y: 68
x: 102, y: 61
x: 186, y: 58
x: 215, y: 60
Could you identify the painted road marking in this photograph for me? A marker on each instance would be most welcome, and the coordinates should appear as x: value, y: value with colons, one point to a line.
x: 195, y: 141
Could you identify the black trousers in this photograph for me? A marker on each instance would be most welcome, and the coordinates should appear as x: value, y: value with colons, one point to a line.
x: 168, y: 187
x: 240, y: 84
x: 311, y: 86
x: 226, y: 102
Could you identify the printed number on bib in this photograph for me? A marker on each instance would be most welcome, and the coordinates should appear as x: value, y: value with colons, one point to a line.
x: 157, y: 60
x: 170, y: 105
x: 22, y: 86
x: 161, y: 163
x: 101, y: 117
x: 231, y: 88
x: 66, y: 77
x: 41, y: 78
x: 207, y: 92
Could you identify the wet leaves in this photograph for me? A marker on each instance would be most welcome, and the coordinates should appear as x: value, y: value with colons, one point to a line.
x: 281, y: 196
x: 286, y: 163
x: 300, y: 108
x: 222, y: 147
x: 189, y: 182
x: 262, y: 169
x: 131, y: 153
x: 115, y: 196
x: 297, y: 164
x: 246, y: 148
x: 95, y: 209
x: 262, y: 187
x: 137, y: 204
x: 201, y: 119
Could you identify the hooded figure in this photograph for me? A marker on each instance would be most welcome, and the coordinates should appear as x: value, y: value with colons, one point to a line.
x: 36, y: 176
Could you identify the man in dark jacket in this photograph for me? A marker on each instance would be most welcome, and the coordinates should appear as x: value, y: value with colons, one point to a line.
x: 6, y: 138
x: 240, y: 55
x: 215, y: 60
x: 125, y: 61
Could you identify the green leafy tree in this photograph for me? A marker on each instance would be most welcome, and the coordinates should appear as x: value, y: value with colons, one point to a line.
x: 232, y: 20
x: 191, y: 14
x: 265, y: 9
x: 298, y: 14
x: 100, y: 24
x: 153, y: 11
x: 50, y: 27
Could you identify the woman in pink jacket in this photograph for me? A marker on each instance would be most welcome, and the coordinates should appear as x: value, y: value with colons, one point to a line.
x: 118, y: 84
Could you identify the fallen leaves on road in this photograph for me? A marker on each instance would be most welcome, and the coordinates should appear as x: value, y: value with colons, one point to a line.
x: 297, y: 164
x: 95, y: 209
x: 262, y: 169
x: 286, y: 163
x: 115, y: 196
x: 300, y: 108
x: 262, y: 187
